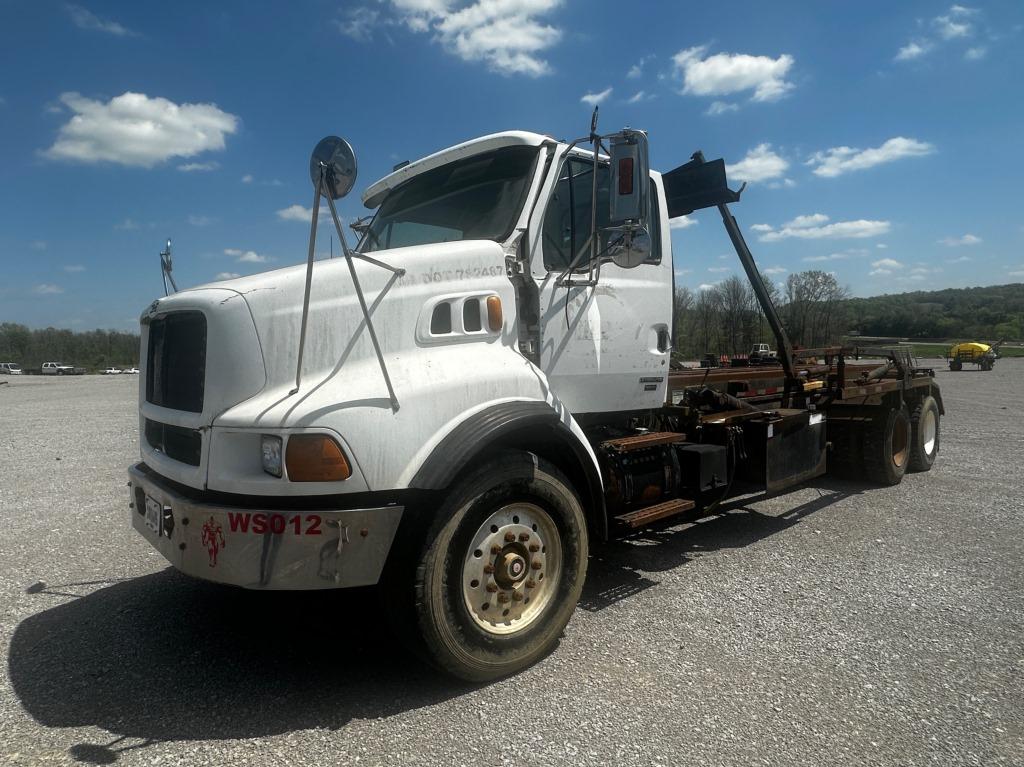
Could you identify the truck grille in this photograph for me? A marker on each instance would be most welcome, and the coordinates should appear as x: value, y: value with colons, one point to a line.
x: 185, y: 445
x: 176, y: 361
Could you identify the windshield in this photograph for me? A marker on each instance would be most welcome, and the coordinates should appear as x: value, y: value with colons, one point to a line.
x: 478, y: 198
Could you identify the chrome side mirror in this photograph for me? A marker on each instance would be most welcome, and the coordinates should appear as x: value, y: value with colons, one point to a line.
x: 338, y: 161
x: 628, y: 247
x: 630, y: 171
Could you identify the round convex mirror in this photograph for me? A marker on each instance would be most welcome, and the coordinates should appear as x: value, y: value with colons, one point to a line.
x: 629, y: 248
x: 336, y: 157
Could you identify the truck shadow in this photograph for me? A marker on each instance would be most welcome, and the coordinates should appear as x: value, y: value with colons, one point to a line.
x: 166, y: 658
x: 617, y: 570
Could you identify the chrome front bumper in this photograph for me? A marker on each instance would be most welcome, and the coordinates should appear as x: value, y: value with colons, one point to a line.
x: 262, y: 549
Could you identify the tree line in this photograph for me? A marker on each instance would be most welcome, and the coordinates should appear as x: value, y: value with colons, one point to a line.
x: 817, y: 311
x: 92, y: 349
x: 727, y: 318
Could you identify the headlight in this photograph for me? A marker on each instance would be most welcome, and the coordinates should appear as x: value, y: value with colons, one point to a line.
x: 271, y: 449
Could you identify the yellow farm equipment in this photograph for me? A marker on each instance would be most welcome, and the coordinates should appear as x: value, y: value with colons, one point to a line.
x: 974, y: 353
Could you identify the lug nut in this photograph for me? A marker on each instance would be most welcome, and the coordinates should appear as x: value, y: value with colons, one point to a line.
x: 495, y: 549
x: 536, y: 564
x: 524, y: 537
x: 517, y: 597
x: 489, y: 569
x: 491, y: 588
x: 534, y: 548
x: 503, y: 597
x: 531, y: 584
x: 509, y: 537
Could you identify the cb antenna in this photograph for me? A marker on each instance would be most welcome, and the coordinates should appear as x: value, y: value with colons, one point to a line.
x: 166, y: 267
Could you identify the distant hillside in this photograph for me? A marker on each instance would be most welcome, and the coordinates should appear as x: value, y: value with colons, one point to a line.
x: 978, y: 313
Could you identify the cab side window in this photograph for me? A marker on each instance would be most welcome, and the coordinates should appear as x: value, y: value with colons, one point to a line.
x: 567, y: 217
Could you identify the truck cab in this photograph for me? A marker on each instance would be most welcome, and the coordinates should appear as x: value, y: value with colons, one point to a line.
x: 455, y: 409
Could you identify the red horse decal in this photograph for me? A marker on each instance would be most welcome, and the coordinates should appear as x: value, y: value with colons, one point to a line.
x: 213, y: 539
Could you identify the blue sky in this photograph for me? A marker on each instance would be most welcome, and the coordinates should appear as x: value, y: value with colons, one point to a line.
x: 882, y: 141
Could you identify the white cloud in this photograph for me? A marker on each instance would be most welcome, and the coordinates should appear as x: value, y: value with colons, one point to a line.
x: 975, y: 53
x: 843, y: 159
x: 706, y: 286
x: 760, y: 164
x: 719, y: 269
x: 955, y: 24
x: 247, y: 178
x: 761, y: 227
x: 38, y: 245
x: 201, y: 220
x: 127, y: 225
x: 508, y: 36
x: 814, y: 227
x: 74, y: 268
x: 192, y: 167
x: 305, y: 215
x: 637, y: 69
x: 246, y: 256
x: 723, y: 73
x: 956, y: 242
x: 774, y: 270
x: 829, y: 257
x: 913, y: 50
x: 684, y: 272
x: 786, y: 183
x: 683, y: 222
x: 85, y: 19
x: 136, y: 130
x: 881, y: 246
x: 640, y: 96
x: 1016, y: 273
x: 801, y: 222
x: 958, y: 260
x: 887, y: 263
x: 359, y: 23
x: 721, y: 108
x: 47, y: 289
x: 596, y: 98
x: 226, y: 276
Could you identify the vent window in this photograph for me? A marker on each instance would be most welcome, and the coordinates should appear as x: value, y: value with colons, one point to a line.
x: 471, y: 315
x: 441, y: 319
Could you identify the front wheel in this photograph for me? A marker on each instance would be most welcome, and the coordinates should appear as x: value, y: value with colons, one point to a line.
x: 502, y: 568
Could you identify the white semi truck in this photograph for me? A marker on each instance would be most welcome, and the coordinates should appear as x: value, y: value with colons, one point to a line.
x: 470, y: 400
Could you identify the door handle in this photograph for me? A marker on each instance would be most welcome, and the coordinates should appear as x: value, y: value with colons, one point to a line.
x: 663, y: 340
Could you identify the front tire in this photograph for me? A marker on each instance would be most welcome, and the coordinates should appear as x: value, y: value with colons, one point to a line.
x: 502, y: 568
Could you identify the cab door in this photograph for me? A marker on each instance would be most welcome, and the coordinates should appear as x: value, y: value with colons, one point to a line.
x: 604, y: 347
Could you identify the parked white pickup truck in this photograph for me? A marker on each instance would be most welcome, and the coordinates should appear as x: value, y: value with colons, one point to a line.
x: 60, y: 369
x: 461, y: 405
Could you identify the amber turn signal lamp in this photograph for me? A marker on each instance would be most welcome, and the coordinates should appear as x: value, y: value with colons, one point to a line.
x: 315, y: 458
x: 494, y: 318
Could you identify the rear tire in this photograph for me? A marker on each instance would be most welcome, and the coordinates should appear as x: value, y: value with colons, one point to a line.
x: 486, y: 606
x: 887, y: 446
x: 924, y: 435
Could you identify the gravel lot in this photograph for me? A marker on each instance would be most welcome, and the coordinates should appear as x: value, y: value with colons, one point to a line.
x: 838, y: 624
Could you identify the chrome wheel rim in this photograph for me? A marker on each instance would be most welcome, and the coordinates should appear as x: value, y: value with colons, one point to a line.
x: 511, y: 568
x: 929, y: 431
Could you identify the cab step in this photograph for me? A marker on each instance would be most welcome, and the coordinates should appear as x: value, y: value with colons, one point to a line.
x: 643, y: 441
x: 649, y: 514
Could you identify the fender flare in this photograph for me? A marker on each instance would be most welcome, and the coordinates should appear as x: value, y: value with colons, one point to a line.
x: 519, y: 424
